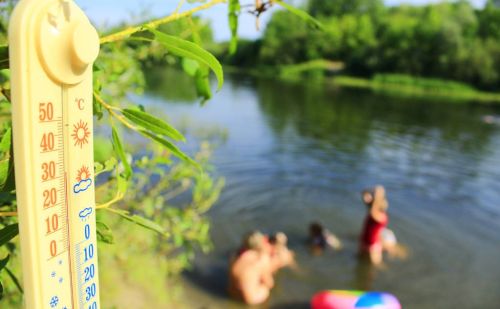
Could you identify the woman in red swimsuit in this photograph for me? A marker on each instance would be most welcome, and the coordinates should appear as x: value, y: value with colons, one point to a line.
x: 371, y: 240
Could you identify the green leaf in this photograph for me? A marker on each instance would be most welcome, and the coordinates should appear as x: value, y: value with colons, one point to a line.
x: 190, y: 66
x: 14, y: 279
x: 8, y: 232
x: 97, y: 109
x: 183, y: 48
x: 98, y: 168
x: 175, y: 151
x: 104, y: 233
x: 122, y: 184
x: 119, y: 151
x: 146, y: 223
x: 5, y: 158
x: 153, y: 124
x: 4, y: 262
x: 1, y: 290
x: 202, y: 83
x: 302, y: 14
x: 4, y: 57
x: 6, y: 141
x: 110, y: 164
x: 234, y: 10
x: 5, y: 171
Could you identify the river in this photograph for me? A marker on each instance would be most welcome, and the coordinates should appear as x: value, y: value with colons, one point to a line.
x: 297, y: 153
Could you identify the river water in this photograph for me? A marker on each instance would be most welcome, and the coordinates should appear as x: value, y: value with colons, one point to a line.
x: 297, y: 153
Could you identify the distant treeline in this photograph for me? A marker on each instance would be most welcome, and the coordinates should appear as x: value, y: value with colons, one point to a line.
x: 449, y: 40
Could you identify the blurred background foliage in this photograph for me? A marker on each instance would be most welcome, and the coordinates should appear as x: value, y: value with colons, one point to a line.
x: 447, y: 40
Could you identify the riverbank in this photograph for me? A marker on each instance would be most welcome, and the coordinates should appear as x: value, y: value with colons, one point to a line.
x: 418, y: 87
x: 390, y: 84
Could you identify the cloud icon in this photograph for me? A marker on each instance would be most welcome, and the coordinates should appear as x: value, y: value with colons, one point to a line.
x: 83, y: 185
x: 85, y: 213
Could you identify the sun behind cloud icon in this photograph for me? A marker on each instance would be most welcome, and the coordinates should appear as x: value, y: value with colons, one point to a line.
x: 83, y: 173
x: 82, y: 185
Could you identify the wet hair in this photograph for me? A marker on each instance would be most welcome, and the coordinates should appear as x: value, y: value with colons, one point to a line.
x: 317, y: 235
x: 374, y: 193
x: 315, y: 229
x: 279, y: 238
x: 253, y: 240
x: 371, y: 194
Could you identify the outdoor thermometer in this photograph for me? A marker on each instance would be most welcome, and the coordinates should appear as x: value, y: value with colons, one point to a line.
x: 52, y: 49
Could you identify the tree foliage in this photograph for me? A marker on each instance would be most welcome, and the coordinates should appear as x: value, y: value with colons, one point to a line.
x: 448, y: 40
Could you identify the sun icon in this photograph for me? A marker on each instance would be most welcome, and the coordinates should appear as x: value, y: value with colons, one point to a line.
x: 81, y: 133
x: 83, y: 173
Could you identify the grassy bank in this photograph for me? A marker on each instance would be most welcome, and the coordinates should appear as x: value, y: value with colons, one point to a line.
x: 403, y: 85
x: 391, y: 84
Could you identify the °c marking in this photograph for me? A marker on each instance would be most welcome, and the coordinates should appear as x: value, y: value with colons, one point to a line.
x: 80, y: 103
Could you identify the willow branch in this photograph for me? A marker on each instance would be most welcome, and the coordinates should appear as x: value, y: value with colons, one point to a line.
x: 111, y: 109
x: 118, y: 197
x: 8, y: 214
x: 120, y: 35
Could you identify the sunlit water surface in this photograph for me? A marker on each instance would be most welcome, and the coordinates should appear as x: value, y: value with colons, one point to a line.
x: 297, y: 153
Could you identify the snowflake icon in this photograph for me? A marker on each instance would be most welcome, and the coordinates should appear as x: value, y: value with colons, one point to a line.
x: 54, y: 301
x: 53, y: 274
x: 60, y: 280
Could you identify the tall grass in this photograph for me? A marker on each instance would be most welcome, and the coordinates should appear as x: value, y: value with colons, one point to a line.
x: 405, y: 85
x: 431, y: 84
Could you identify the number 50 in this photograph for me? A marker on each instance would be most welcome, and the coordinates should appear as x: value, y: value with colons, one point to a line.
x: 46, y: 111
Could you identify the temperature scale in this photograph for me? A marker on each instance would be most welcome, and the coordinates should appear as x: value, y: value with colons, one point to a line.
x: 52, y: 49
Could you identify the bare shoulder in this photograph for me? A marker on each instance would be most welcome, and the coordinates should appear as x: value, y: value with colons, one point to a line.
x: 246, y: 259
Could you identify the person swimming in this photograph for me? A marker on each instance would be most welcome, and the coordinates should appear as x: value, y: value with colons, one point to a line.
x: 251, y: 271
x: 321, y: 239
x: 281, y: 255
x: 376, y: 237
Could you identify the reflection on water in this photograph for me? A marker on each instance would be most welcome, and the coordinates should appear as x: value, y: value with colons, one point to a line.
x: 299, y: 153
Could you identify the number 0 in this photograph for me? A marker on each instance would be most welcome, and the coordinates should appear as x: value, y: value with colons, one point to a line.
x: 87, y: 231
x: 53, y: 248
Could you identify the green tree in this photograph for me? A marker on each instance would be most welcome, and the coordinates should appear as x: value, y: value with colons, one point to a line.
x: 342, y: 7
x: 489, y: 20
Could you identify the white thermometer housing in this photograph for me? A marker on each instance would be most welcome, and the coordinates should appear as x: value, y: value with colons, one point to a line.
x: 52, y: 48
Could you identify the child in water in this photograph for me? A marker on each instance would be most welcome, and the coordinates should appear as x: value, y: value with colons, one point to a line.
x: 375, y: 237
x: 281, y: 255
x: 321, y: 238
x: 251, y: 270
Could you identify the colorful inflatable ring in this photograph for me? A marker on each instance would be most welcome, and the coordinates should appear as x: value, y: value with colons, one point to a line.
x: 354, y: 300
